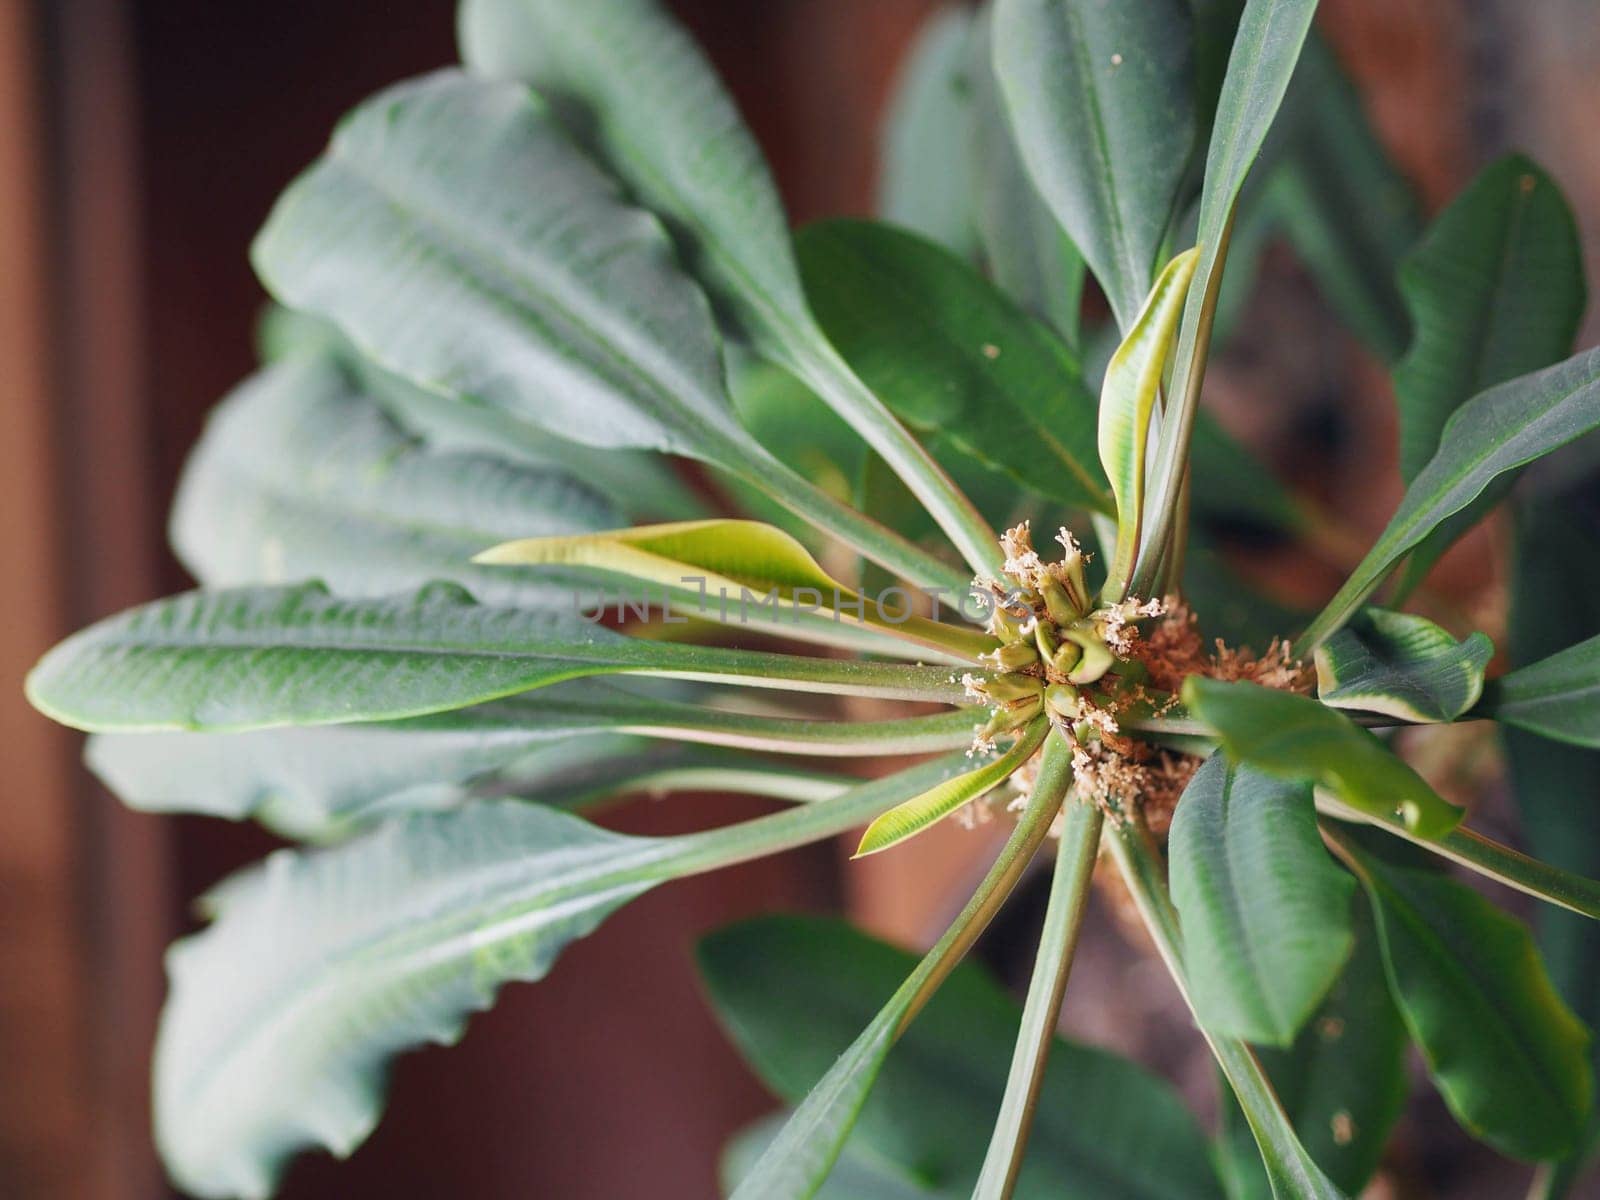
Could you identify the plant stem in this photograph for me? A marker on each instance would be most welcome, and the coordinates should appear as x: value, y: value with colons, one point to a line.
x: 1293, y: 1174
x: 1488, y: 858
x: 831, y: 377
x: 1063, y: 918
x: 997, y: 885
x: 878, y: 542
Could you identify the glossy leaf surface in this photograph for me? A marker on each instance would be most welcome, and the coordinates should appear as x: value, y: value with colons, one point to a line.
x: 1294, y: 737
x: 1265, y: 912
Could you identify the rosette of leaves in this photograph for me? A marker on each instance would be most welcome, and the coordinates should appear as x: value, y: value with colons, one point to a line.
x: 517, y: 294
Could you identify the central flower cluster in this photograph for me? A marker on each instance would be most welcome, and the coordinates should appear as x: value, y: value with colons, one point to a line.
x: 1056, y: 640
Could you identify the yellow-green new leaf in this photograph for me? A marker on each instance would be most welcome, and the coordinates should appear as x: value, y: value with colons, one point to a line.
x: 1128, y: 397
x: 914, y: 815
x: 723, y: 569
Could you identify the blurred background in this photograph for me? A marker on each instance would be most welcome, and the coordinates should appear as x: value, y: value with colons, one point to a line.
x: 141, y: 143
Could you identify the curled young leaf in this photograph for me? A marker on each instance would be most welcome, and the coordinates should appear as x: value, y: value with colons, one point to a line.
x: 1127, y: 399
x: 1403, y: 666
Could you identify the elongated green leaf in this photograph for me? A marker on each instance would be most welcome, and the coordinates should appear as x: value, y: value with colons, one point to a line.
x: 1127, y: 400
x: 1491, y: 435
x: 793, y: 990
x: 1555, y: 600
x: 1294, y: 737
x: 1265, y: 51
x: 927, y: 137
x: 319, y: 782
x: 1265, y: 912
x: 919, y: 812
x: 300, y: 475
x: 567, y: 309
x: 1403, y: 666
x: 1070, y: 883
x: 1101, y: 98
x: 1507, y: 1055
x: 640, y: 484
x: 321, y: 966
x: 258, y: 657
x: 1343, y: 1082
x: 634, y: 87
x: 725, y: 560
x: 1290, y: 1170
x: 1501, y: 272
x: 1024, y: 248
x: 858, y: 1175
x: 1557, y: 697
x: 1495, y: 288
x: 948, y: 352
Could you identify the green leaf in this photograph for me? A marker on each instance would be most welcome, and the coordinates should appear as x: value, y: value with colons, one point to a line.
x: 640, y: 484
x: 1343, y: 1083
x: 1296, y: 738
x: 1501, y: 272
x: 1507, y: 1055
x: 1555, y: 599
x: 321, y: 966
x: 793, y: 991
x: 916, y: 814
x: 1265, y: 912
x: 637, y: 91
x: 1260, y: 65
x: 1557, y: 697
x: 567, y: 309
x: 1291, y: 1172
x: 301, y: 475
x: 1496, y: 290
x: 858, y: 1175
x: 256, y: 657
x: 949, y: 353
x: 1024, y: 248
x: 732, y: 559
x: 1101, y: 99
x: 317, y: 782
x: 1127, y: 400
x: 1491, y: 435
x: 1402, y: 666
x: 927, y: 137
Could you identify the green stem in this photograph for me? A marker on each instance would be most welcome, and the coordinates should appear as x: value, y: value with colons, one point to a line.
x: 997, y: 885
x: 1293, y: 1174
x: 1063, y: 918
x: 878, y: 542
x: 821, y: 367
x: 1488, y: 858
x: 796, y: 673
x: 823, y: 739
